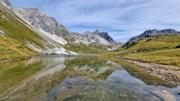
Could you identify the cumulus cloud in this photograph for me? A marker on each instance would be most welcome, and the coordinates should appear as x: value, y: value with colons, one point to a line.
x: 121, y: 18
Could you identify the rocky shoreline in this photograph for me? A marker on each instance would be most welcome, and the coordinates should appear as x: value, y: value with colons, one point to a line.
x: 165, y: 72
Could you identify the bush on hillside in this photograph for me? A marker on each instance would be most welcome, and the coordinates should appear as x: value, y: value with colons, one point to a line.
x: 178, y: 46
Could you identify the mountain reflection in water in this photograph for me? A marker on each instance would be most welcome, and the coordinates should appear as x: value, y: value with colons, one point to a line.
x: 82, y: 78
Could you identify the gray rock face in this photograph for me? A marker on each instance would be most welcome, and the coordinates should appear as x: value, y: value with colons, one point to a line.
x: 90, y: 38
x: 105, y: 35
x: 41, y: 21
x: 99, y: 37
x: 154, y: 32
x: 48, y: 24
x: 5, y: 2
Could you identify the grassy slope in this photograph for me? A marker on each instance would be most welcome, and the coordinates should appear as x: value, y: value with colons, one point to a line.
x: 17, y: 36
x: 12, y: 49
x: 10, y: 24
x: 155, y: 43
x: 168, y: 56
x: 14, y: 28
x: 90, y: 49
x: 162, y: 49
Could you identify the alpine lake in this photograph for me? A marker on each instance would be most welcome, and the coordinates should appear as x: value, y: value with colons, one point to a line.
x: 78, y: 78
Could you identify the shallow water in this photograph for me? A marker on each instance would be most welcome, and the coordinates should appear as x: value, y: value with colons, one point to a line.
x: 82, y: 78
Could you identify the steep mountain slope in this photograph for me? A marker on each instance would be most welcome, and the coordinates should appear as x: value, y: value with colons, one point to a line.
x: 53, y: 29
x: 43, y: 34
x: 92, y: 38
x: 5, y: 2
x: 43, y: 23
x: 17, y: 29
x: 91, y: 42
x: 12, y: 49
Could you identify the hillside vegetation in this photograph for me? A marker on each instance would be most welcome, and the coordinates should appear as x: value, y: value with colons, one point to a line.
x: 87, y: 49
x: 15, y: 28
x: 15, y: 36
x: 10, y: 48
x: 160, y: 49
x: 22, y: 34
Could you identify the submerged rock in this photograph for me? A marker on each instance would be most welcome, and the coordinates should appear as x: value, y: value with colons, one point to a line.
x: 80, y: 89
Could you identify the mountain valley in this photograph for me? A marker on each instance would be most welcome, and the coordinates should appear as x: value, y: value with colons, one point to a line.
x: 42, y: 60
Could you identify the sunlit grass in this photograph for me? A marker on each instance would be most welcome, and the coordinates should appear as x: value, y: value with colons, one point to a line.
x: 170, y: 56
x: 12, y: 49
x: 161, y: 49
x: 12, y: 26
x: 86, y: 49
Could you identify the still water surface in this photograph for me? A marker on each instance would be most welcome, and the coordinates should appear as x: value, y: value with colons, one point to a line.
x: 82, y: 78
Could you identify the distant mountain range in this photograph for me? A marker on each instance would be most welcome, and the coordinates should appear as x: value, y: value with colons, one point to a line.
x: 51, y: 28
x: 55, y: 36
x: 150, y: 34
x: 43, y: 34
x: 154, y: 32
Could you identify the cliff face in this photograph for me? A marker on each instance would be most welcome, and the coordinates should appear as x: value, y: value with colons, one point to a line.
x: 48, y: 24
x: 44, y: 34
x: 14, y: 29
x: 41, y: 21
x: 5, y: 2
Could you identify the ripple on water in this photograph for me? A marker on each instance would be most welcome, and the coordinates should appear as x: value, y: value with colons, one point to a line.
x: 80, y: 78
x: 119, y: 86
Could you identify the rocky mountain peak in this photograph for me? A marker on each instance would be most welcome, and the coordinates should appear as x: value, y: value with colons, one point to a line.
x: 105, y: 35
x: 97, y: 32
x: 159, y: 32
x: 147, y: 32
x: 33, y: 10
x: 154, y: 32
x: 41, y: 21
x: 5, y: 2
x: 51, y: 27
x: 168, y: 31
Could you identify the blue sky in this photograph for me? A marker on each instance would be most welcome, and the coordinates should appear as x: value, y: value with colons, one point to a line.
x: 121, y: 18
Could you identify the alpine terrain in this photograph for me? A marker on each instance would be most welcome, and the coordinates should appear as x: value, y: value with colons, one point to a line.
x: 42, y: 60
x: 42, y: 34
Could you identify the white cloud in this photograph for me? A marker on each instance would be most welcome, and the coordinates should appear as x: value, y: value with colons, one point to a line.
x: 122, y: 18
